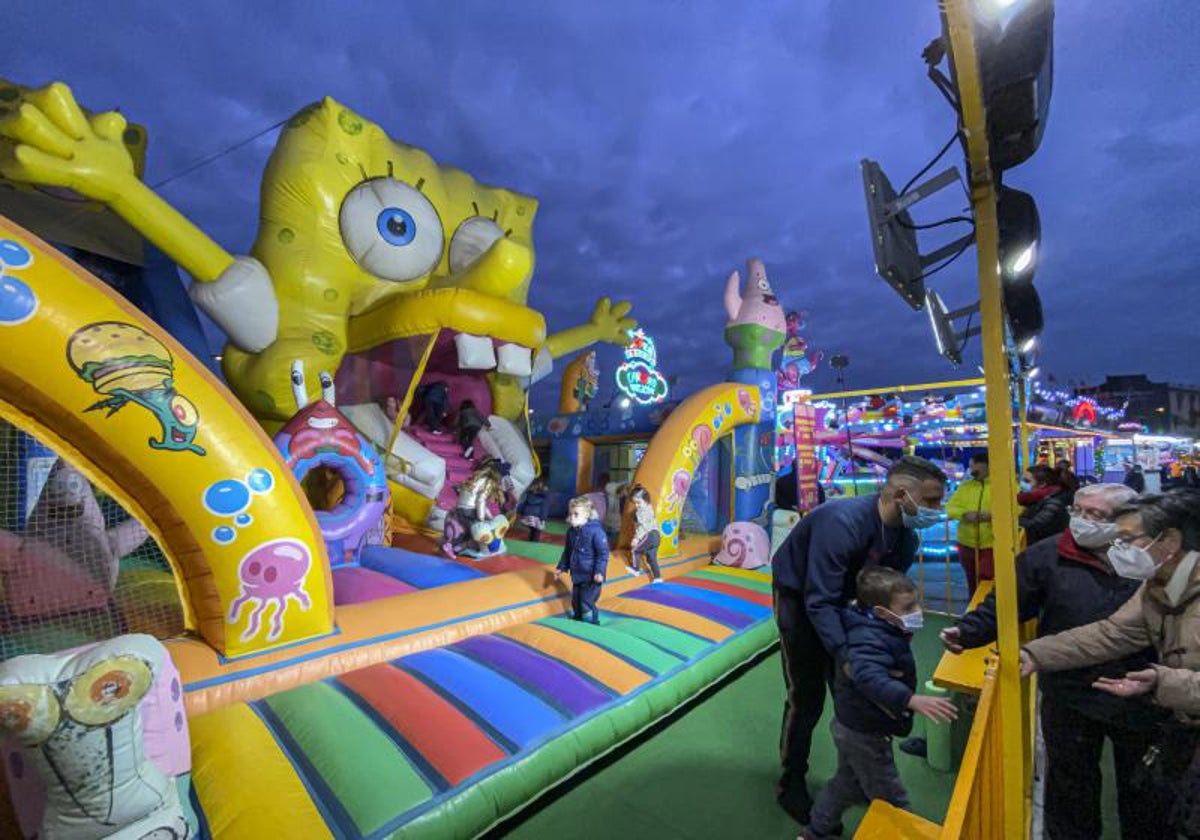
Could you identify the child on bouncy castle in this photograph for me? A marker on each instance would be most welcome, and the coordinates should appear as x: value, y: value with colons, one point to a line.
x: 646, y: 538
x: 585, y: 557
x: 532, y: 510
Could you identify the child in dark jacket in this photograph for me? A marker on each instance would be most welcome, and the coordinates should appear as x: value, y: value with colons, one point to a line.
x: 874, y: 698
x: 585, y: 557
x: 533, y: 509
x: 468, y: 424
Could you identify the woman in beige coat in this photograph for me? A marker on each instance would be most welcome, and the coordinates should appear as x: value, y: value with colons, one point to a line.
x: 1158, y: 540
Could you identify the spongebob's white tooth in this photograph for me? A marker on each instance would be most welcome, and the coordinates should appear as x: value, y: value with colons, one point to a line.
x: 474, y: 352
x: 514, y: 359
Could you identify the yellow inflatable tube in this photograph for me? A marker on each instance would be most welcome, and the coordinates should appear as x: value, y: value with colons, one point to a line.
x: 103, y: 385
x: 680, y: 444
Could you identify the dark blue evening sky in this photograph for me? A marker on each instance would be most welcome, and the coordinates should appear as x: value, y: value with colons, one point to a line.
x: 668, y: 141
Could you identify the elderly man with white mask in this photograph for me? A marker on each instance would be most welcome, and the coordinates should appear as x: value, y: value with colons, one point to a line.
x: 1066, y: 583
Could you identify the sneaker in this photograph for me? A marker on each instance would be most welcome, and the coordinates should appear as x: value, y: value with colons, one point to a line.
x: 657, y: 580
x: 448, y: 550
x: 632, y: 570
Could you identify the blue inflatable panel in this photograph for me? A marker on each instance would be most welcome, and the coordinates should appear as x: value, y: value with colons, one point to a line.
x: 422, y: 571
x: 517, y: 714
x: 718, y: 599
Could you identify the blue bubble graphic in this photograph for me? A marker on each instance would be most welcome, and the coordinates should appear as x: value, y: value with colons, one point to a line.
x: 668, y: 528
x: 14, y: 254
x: 224, y: 535
x: 260, y: 480
x: 243, y: 519
x: 729, y: 408
x: 17, y: 301
x: 226, y: 498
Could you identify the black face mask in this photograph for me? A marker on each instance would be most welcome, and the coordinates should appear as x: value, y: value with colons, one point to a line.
x: 975, y: 474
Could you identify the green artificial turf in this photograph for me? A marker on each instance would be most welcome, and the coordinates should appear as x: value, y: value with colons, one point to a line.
x: 711, y: 771
x: 540, y: 551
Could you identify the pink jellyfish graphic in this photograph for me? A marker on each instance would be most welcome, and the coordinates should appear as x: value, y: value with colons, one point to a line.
x: 271, y: 573
x: 745, y: 400
x: 702, y: 437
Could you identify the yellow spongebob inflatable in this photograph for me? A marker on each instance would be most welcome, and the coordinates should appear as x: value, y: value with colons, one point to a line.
x: 361, y: 241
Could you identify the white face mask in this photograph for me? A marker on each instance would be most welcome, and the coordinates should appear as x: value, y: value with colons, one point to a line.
x: 1132, y: 561
x: 912, y: 622
x: 577, y: 520
x: 1091, y: 534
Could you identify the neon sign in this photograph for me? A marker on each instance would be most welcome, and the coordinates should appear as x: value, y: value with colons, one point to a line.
x: 638, y: 377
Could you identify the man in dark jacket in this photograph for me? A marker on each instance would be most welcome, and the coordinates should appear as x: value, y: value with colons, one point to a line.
x: 1066, y: 582
x: 814, y: 573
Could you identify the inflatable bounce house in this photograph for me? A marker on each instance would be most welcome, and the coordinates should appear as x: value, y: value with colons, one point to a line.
x: 237, y: 608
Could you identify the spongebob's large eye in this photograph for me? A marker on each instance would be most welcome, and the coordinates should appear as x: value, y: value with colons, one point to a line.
x: 391, y: 230
x: 107, y: 690
x: 472, y: 240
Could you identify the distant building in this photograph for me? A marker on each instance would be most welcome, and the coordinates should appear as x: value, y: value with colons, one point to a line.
x: 1161, y: 407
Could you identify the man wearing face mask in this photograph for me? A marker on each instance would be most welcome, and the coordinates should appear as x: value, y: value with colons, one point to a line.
x: 1064, y: 583
x: 814, y: 574
x: 971, y: 507
x: 1158, y: 541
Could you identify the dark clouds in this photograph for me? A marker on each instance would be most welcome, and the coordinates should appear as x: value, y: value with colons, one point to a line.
x: 668, y: 141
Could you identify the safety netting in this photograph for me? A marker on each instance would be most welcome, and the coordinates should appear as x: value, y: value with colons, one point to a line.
x: 75, y: 567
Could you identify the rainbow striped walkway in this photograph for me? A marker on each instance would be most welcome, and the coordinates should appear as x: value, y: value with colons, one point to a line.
x: 443, y: 743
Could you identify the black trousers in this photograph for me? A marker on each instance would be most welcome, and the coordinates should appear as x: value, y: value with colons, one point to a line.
x: 808, y: 675
x: 1074, y: 745
x: 583, y: 601
x: 649, y: 550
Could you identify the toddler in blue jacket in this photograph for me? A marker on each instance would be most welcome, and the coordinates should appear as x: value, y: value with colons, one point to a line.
x: 874, y: 698
x: 585, y: 557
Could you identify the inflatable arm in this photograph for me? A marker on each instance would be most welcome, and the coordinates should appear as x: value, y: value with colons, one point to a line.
x: 608, y: 324
x: 51, y: 142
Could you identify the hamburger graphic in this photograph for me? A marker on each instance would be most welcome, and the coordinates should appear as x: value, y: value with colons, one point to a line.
x: 125, y: 364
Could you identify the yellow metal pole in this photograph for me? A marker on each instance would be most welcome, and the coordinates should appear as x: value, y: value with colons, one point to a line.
x: 999, y: 410
x: 1023, y: 407
x: 897, y: 389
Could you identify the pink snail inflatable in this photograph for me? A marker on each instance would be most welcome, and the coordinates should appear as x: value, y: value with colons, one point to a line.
x: 744, y: 545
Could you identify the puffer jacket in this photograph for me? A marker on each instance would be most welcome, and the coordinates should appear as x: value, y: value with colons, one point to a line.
x: 878, y: 677
x: 1045, y: 514
x: 586, y: 552
x: 1146, y: 620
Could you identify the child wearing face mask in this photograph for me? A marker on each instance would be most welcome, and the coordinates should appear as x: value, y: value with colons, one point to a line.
x: 874, y: 698
x: 585, y: 556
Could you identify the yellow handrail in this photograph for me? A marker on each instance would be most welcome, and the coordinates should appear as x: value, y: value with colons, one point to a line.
x: 976, y: 808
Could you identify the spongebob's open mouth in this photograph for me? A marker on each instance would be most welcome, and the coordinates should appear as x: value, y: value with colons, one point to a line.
x: 425, y: 355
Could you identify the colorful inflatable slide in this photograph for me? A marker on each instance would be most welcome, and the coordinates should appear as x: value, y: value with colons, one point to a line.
x: 339, y: 679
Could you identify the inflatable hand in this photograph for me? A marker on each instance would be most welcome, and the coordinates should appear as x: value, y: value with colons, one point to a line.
x: 49, y: 141
x: 609, y: 321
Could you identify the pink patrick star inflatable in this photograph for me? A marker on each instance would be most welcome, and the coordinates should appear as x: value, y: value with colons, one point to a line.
x: 756, y: 325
